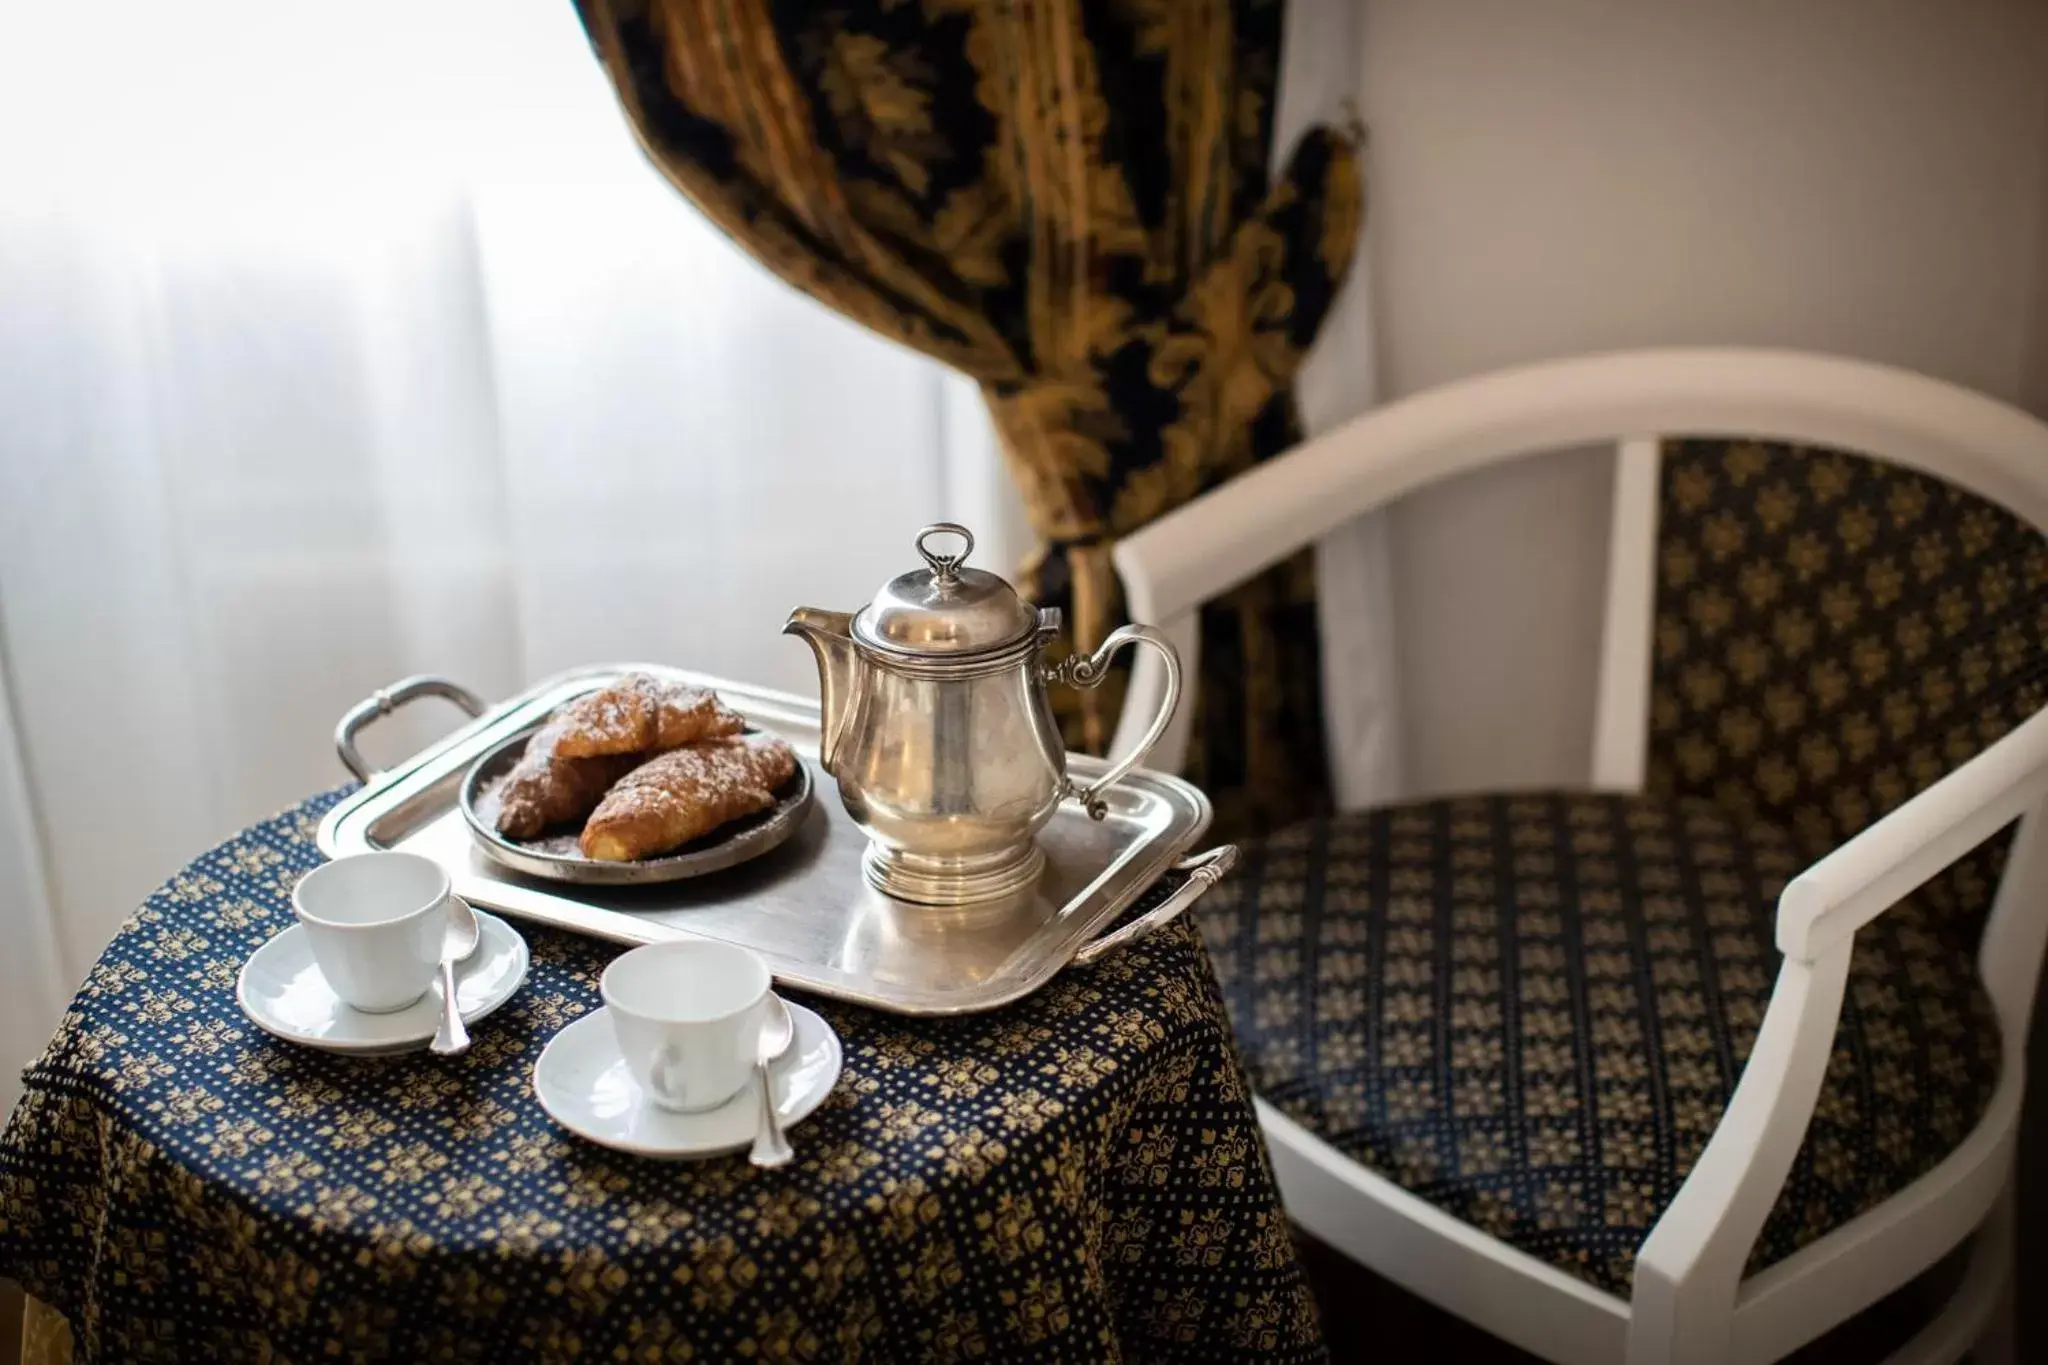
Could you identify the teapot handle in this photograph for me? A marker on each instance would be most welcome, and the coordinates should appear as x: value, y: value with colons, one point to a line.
x: 1088, y: 670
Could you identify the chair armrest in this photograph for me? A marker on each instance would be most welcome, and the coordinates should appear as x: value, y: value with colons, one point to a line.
x: 1690, y: 1266
x: 1877, y: 868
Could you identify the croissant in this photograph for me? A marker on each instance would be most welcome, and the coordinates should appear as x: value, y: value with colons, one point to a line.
x: 595, y: 740
x: 545, y: 788
x: 643, y: 714
x: 685, y: 794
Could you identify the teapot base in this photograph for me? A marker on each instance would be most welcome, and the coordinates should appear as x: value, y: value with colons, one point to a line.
x: 952, y: 881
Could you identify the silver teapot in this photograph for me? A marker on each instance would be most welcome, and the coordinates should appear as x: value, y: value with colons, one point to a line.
x: 935, y: 721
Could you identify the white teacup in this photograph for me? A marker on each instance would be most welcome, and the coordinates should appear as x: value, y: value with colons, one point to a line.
x: 375, y: 922
x: 688, y: 1019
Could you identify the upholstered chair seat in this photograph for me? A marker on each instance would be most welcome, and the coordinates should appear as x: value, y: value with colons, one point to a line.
x: 1530, y: 1010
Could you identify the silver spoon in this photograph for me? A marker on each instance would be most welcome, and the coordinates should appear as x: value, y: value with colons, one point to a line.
x: 778, y: 1031
x: 458, y: 941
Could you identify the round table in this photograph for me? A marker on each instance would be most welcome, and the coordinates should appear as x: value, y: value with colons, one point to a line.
x: 1078, y: 1177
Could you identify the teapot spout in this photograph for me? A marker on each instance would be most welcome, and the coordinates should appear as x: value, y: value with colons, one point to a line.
x: 830, y: 636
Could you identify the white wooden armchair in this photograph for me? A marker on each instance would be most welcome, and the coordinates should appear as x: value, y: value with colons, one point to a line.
x: 1523, y: 1054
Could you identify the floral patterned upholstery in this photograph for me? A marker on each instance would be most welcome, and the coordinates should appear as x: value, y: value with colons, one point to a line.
x: 1530, y: 1010
x: 1833, y: 634
x: 1074, y: 1177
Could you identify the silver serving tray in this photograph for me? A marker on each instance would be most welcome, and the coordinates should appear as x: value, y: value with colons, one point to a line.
x: 805, y: 907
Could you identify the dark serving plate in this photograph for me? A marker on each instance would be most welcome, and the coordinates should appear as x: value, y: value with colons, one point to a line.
x: 557, y: 857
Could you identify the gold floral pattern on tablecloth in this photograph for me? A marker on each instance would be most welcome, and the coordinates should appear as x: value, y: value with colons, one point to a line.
x: 1076, y: 1177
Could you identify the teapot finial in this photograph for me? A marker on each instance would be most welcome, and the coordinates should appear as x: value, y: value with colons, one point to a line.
x: 946, y: 567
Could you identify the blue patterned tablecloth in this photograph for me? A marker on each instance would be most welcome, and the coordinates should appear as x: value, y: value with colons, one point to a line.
x: 1076, y: 1177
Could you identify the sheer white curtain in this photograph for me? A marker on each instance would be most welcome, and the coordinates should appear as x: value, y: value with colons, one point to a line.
x: 344, y: 342
x: 339, y: 343
x: 1322, y: 68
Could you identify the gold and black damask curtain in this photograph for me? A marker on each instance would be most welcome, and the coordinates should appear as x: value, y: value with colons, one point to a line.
x: 1072, y: 202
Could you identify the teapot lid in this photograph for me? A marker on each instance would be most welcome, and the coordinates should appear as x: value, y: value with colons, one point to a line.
x: 944, y: 609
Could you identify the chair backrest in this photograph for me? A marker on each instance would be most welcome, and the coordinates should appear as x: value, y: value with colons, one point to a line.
x: 1832, y: 635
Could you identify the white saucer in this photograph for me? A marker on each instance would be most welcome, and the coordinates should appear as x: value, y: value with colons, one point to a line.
x: 284, y: 994
x: 583, y: 1084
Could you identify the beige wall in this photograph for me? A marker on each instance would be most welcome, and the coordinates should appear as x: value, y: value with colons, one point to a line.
x: 2034, y: 379
x: 1862, y: 176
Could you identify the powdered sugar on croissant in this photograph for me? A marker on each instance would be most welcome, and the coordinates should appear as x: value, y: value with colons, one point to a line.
x: 598, y: 738
x: 643, y: 714
x: 685, y: 794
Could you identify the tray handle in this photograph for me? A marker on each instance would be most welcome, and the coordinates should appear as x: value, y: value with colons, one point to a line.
x: 383, y: 702
x: 1204, y: 871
